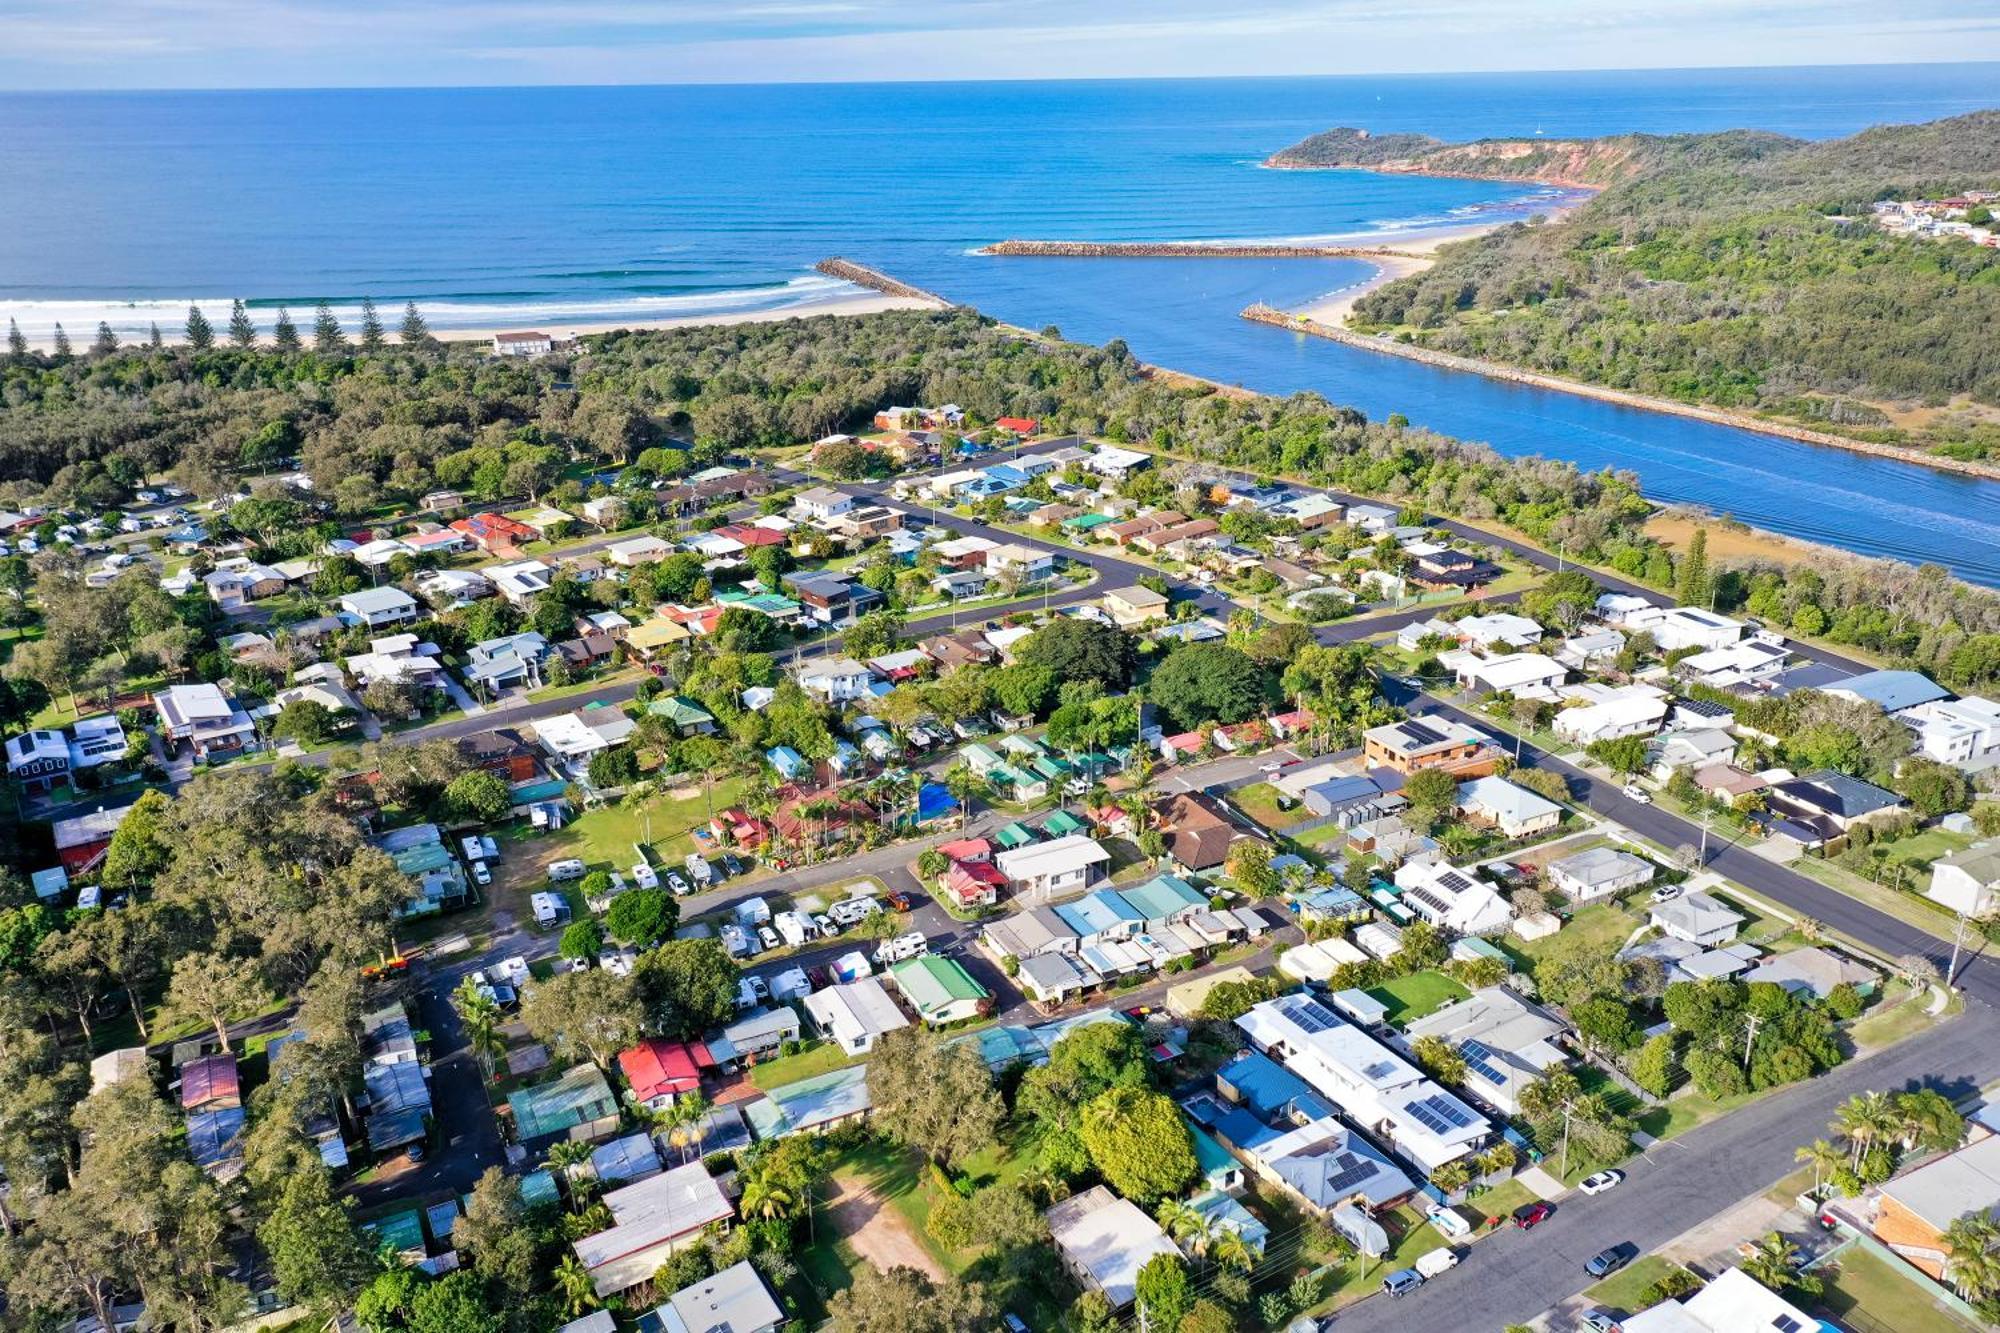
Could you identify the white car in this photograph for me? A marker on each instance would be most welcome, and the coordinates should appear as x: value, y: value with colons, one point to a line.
x: 481, y: 875
x: 1634, y: 792
x: 768, y: 937
x: 825, y: 927
x: 1666, y: 893
x: 1600, y: 1182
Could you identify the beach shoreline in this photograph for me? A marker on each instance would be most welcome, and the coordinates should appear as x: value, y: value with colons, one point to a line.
x: 1413, y: 252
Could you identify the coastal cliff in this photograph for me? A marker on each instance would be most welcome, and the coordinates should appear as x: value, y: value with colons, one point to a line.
x: 1574, y: 163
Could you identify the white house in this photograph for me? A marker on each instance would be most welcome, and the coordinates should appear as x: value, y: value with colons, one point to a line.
x: 376, y: 607
x: 1968, y: 881
x: 1689, y: 627
x: 1104, y: 1241
x: 854, y: 1014
x: 1962, y: 732
x: 204, y: 717
x: 526, y: 342
x: 1698, y: 918
x: 1515, y: 811
x: 38, y: 759
x: 453, y: 588
x: 1046, y: 869
x: 1380, y: 1091
x: 1611, y: 712
x: 1600, y: 872
x: 520, y: 582
x: 1452, y: 899
x: 821, y: 503
x: 836, y: 679
x: 651, y: 1220
x: 1507, y: 1043
x: 1501, y: 629
x: 1111, y: 461
x: 1023, y: 564
x: 397, y: 659
x: 639, y: 550
x: 1734, y: 664
x: 1527, y: 675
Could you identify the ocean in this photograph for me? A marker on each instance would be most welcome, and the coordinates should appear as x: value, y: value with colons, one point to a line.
x: 547, y: 206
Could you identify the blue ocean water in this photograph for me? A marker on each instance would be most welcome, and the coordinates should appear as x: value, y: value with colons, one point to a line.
x: 546, y: 206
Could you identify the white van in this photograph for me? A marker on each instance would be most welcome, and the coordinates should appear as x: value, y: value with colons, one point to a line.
x: 1437, y: 1261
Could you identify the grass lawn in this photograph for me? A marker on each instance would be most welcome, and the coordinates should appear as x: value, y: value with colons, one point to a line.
x: 1623, y: 1289
x: 1911, y: 909
x: 1260, y: 802
x: 1927, y: 846
x: 1357, y: 1277
x: 822, y: 1057
x: 1892, y: 1018
x: 1416, y: 995
x: 1868, y: 1289
x: 1597, y: 925
x: 604, y: 837
x: 1502, y: 1199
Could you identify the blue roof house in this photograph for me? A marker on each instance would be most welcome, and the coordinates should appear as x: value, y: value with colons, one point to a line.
x: 788, y: 762
x: 1101, y: 915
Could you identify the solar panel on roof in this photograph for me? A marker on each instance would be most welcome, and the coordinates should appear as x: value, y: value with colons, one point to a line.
x: 1429, y: 899
x: 1421, y: 734
x: 1353, y: 1170
x: 1454, y: 881
x: 1313, y: 1016
x: 1478, y: 1060
x: 1439, y: 1114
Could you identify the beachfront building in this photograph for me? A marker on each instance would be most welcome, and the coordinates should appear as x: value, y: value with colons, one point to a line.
x: 525, y: 342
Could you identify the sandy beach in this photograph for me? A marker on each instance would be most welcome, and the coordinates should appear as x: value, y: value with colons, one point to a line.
x: 1416, y: 251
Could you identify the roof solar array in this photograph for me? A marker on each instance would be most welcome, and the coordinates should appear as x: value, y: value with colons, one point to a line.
x: 1440, y: 1114
x: 1479, y: 1060
x: 1421, y: 734
x: 1455, y: 882
x: 1352, y: 1170
x: 1313, y: 1016
x: 1428, y: 899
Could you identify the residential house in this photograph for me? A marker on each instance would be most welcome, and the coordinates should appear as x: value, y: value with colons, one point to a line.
x: 965, y: 648
x: 641, y: 550
x: 525, y: 343
x: 684, y: 715
x: 38, y: 760
x: 1507, y: 1043
x: 1164, y: 900
x: 1104, y: 1241
x: 940, y: 990
x: 1912, y: 1212
x: 1029, y: 934
x: 1354, y: 800
x: 399, y: 659
x: 1501, y: 629
x: 1047, y: 869
x: 1701, y: 715
x: 1115, y: 462
x: 1812, y: 972
x: 1199, y: 834
x: 1525, y: 675
x: 756, y: 1035
x: 830, y: 598
x: 1686, y: 627
x: 1609, y: 712
x: 821, y: 503
x: 234, y: 584
x: 453, y: 588
x: 1890, y: 691
x: 1590, y: 650
x: 734, y: 1300
x: 1412, y: 637
x: 1962, y: 732
x: 836, y: 679
x: 854, y: 1015
x: 1099, y: 917
x: 1377, y: 1089
x: 1690, y: 750
x: 1599, y: 872
x: 96, y: 741
x: 1432, y: 741
x: 500, y: 752
x: 82, y: 840
x: 1698, y: 918
x: 658, y: 1071
x: 376, y: 607
x: 1050, y: 979
x: 1734, y: 665
x: 513, y: 659
x: 1452, y: 899
x: 1968, y: 881
x: 651, y: 1220
x: 203, y: 718
x: 521, y: 582
x: 1734, y: 1302
x: 590, y: 649
x: 961, y: 584
x: 1515, y: 811
x: 1820, y: 807
x: 495, y: 534
x: 579, y: 735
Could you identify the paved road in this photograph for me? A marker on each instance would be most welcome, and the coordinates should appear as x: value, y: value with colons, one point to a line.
x: 1513, y: 1276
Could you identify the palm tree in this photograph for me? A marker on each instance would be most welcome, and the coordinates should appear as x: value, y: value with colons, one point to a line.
x: 1863, y: 1119
x: 1232, y: 1251
x: 1186, y: 1224
x: 1825, y: 1159
x: 578, y: 1290
x: 563, y: 1158
x: 1928, y: 1120
x: 481, y: 1018
x: 1971, y: 1265
x: 1773, y: 1261
x: 964, y: 786
x: 764, y: 1197
x: 683, y: 1121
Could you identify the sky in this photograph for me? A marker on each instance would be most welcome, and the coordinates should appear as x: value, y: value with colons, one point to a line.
x: 54, y: 44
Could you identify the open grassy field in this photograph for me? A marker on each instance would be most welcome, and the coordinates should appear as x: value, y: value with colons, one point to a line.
x: 1621, y: 1291
x: 1868, y: 1293
x: 820, y: 1057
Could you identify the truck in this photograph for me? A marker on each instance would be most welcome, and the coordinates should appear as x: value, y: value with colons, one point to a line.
x: 1437, y: 1261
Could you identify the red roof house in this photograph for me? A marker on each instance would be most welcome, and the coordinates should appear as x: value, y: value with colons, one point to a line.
x: 1017, y: 425
x: 968, y: 849
x: 974, y: 883
x: 495, y: 533
x: 660, y: 1070
x: 739, y: 828
x: 751, y: 535
x: 209, y: 1084
x: 1292, y: 723
x: 1181, y: 746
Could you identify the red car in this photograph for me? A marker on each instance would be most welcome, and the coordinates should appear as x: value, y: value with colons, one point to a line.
x: 1530, y: 1215
x: 900, y: 901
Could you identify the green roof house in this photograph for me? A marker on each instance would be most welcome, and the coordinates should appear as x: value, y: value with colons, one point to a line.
x: 685, y: 716
x: 580, y: 1096
x: 1015, y: 835
x: 939, y: 989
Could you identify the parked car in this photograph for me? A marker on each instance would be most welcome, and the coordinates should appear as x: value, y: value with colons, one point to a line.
x: 644, y: 875
x: 1634, y: 792
x: 566, y: 869
x: 1601, y: 1182
x: 900, y: 901
x: 1666, y: 893
x: 767, y: 937
x: 730, y: 864
x: 1608, y: 1261
x: 1402, y: 1282
x: 824, y: 924
x: 481, y: 875
x: 678, y: 883
x: 760, y: 989
x: 698, y: 868
x: 1433, y: 1262
x: 1600, y: 1320
x: 1531, y: 1215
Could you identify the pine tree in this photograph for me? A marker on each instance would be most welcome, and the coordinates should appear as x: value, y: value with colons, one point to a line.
x: 17, y: 343
x: 285, y: 334
x: 62, y: 344
x: 328, y: 340
x: 1693, y: 586
x: 155, y: 339
x: 414, y: 330
x: 371, y: 326
x: 107, y: 340
x: 241, y: 331
x: 199, y: 335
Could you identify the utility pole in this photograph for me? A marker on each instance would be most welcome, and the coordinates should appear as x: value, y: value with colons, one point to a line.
x: 1750, y: 1022
x: 1701, y: 857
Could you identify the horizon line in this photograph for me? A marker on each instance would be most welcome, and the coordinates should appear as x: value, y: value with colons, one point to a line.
x: 1003, y: 80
